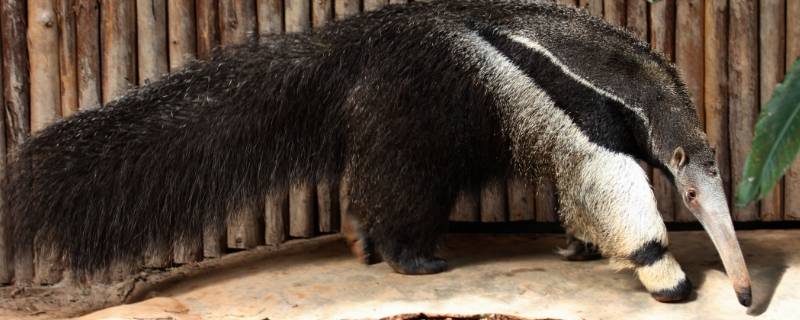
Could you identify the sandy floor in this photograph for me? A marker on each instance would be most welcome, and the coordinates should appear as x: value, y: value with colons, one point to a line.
x: 510, y: 274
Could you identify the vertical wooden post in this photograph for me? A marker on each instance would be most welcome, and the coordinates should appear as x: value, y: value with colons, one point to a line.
x: 297, y: 16
x: 571, y: 3
x: 546, y: 202
x: 614, y: 12
x: 87, y: 38
x: 743, y: 90
x: 346, y: 8
x: 321, y: 12
x: 372, y: 5
x: 44, y: 67
x: 772, y: 31
x: 6, y: 271
x: 467, y: 207
x: 118, y: 27
x: 302, y: 197
x: 327, y: 193
x: 521, y: 200
x: 716, y: 85
x: 792, y: 190
x: 688, y: 52
x: 45, y: 102
x: 16, y: 101
x: 494, y: 203
x: 182, y: 33
x: 151, y: 35
x: 662, y: 38
x: 594, y: 7
x: 237, y: 25
x: 636, y: 18
x: 67, y: 57
x: 276, y: 217
x: 270, y: 16
x: 118, y: 71
x: 182, y: 50
x: 207, y: 22
x: 237, y: 21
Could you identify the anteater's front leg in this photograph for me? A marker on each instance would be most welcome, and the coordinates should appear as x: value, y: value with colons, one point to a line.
x: 607, y: 198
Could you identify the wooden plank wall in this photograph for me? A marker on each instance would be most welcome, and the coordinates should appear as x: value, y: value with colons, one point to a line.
x: 62, y: 56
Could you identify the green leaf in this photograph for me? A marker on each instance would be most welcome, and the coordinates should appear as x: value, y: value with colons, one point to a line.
x: 776, y: 142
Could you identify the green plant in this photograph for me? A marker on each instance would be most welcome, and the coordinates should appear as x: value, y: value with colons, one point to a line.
x: 776, y: 142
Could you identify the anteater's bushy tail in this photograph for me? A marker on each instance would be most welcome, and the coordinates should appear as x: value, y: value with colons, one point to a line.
x: 160, y: 164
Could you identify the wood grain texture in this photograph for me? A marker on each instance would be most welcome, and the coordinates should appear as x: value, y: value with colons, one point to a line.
x: 572, y: 3
x: 16, y: 103
x: 792, y: 181
x: 689, y: 48
x: 45, y: 103
x: 302, y: 196
x: 327, y: 207
x: 521, y: 200
x: 772, y: 55
x: 372, y: 5
x: 118, y: 30
x: 207, y: 24
x: 546, y: 203
x: 321, y: 12
x: 151, y: 35
x: 182, y: 33
x: 276, y: 216
x: 297, y: 15
x: 636, y: 18
x: 715, y: 94
x: 346, y: 8
x: 594, y: 7
x: 494, y: 201
x: 87, y: 38
x: 237, y: 25
x: 182, y: 36
x: 467, y: 207
x: 6, y: 270
x: 67, y: 55
x: 398, y: 1
x: 44, y: 68
x: 237, y: 21
x: 614, y: 12
x: 662, y: 39
x: 302, y: 200
x: 270, y: 16
x: 743, y: 91
x: 207, y: 29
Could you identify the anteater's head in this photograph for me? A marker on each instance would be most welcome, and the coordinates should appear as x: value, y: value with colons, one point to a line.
x: 680, y: 146
x: 699, y: 185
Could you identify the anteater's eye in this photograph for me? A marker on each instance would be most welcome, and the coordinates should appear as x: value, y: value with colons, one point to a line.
x: 691, y: 194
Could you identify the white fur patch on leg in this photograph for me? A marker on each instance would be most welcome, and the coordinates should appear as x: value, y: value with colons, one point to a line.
x: 664, y: 274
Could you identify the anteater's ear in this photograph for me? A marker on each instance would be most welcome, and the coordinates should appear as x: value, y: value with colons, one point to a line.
x: 678, y: 158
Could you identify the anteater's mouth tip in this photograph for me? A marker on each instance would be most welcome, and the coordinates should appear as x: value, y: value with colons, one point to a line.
x: 745, y: 297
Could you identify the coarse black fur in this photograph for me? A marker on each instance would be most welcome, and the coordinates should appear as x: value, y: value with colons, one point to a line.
x: 381, y: 96
x: 648, y: 254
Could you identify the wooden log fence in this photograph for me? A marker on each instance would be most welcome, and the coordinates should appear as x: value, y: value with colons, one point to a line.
x: 62, y: 56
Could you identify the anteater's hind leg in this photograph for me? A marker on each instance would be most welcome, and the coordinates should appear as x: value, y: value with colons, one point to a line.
x: 579, y: 249
x: 609, y: 200
x: 401, y: 220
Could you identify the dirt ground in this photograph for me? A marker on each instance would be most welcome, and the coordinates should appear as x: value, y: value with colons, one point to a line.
x: 490, y: 276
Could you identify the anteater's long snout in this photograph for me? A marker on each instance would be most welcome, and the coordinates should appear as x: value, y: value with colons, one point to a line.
x: 716, y: 220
